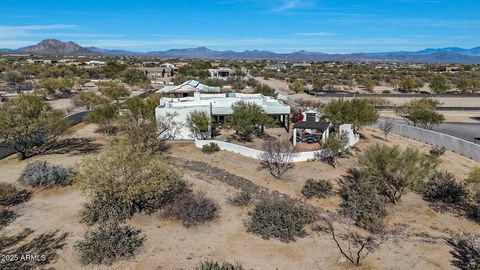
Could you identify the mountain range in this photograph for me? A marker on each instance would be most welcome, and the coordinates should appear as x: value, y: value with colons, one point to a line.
x: 439, y: 55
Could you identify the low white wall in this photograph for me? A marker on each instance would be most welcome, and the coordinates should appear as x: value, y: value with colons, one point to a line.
x: 253, y: 153
x: 454, y: 144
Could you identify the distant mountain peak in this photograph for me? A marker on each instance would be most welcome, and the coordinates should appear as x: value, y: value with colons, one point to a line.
x: 57, y: 47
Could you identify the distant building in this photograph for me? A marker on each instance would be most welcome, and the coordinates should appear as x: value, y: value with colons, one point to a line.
x: 218, y: 107
x: 452, y: 69
x: 277, y: 67
x: 96, y: 63
x: 303, y: 64
x: 188, y: 88
x: 221, y: 73
x: 35, y: 61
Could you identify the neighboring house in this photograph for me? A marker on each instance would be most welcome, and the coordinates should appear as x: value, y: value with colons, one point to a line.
x: 218, y: 107
x: 188, y: 88
x: 35, y: 61
x: 162, y: 71
x: 221, y: 73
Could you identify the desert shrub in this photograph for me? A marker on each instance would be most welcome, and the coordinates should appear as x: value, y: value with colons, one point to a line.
x: 317, y: 188
x: 106, y: 209
x: 438, y: 151
x: 192, y: 209
x: 386, y: 91
x: 44, y: 174
x: 279, y: 217
x: 11, y: 195
x: 6, y: 216
x: 213, y: 265
x: 241, y: 199
x: 466, y: 251
x: 442, y: 186
x: 108, y: 244
x: 210, y: 148
x: 362, y: 203
x: 131, y: 176
x: 473, y: 212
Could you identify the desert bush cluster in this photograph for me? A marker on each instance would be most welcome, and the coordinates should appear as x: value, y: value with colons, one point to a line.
x: 44, y: 174
x: 11, y: 195
x: 109, y: 243
x: 101, y: 210
x: 279, y: 216
x: 442, y: 186
x: 317, y: 188
x: 192, y: 209
x: 214, y: 265
x: 240, y: 199
x: 210, y: 148
x: 466, y: 251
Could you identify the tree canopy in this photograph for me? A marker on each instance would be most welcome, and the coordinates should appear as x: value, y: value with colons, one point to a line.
x: 247, y: 118
x: 421, y: 112
x: 358, y: 112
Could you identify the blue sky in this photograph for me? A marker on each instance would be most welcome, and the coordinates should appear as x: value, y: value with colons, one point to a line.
x: 332, y: 26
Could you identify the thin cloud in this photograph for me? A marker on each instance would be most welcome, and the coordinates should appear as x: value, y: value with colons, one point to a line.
x: 287, y: 6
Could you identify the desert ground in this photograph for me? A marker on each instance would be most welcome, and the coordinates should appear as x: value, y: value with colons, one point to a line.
x: 420, y: 243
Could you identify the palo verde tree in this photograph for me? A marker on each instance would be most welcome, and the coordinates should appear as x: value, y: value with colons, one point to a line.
x: 332, y: 148
x: 134, y: 77
x: 248, y: 118
x: 114, y: 91
x: 393, y: 171
x: 199, y: 124
x: 439, y: 84
x: 27, y: 121
x: 87, y: 100
x: 57, y: 85
x: 131, y: 177
x: 264, y: 90
x: 358, y: 112
x: 421, y: 112
x: 104, y: 116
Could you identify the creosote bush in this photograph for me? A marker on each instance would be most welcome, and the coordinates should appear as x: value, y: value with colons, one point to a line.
x: 44, y: 174
x: 192, y: 209
x: 438, y: 151
x: 11, y: 195
x: 442, y: 186
x: 241, y: 199
x: 210, y: 148
x: 317, y: 188
x: 109, y: 243
x: 280, y: 217
x: 466, y: 251
x: 213, y: 265
x: 362, y: 203
x: 101, y: 210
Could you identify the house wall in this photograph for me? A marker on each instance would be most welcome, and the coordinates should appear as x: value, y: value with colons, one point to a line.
x: 181, y: 118
x: 254, y: 153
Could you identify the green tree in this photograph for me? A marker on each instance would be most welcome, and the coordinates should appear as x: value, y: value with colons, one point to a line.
x: 114, y: 91
x: 265, y: 90
x: 134, y: 77
x: 104, y: 116
x: 247, y: 118
x: 421, y: 112
x: 319, y: 84
x: 28, y: 121
x: 199, y: 124
x: 129, y: 175
x: 394, y: 171
x: 297, y: 86
x: 13, y: 77
x: 358, y: 112
x: 410, y: 83
x: 332, y: 148
x: 81, y: 81
x: 439, y: 84
x: 88, y: 100
x: 52, y: 85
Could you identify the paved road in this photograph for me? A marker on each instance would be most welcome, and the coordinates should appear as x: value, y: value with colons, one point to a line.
x: 466, y: 131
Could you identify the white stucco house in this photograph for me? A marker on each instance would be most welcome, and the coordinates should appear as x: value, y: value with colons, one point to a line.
x: 218, y: 106
x: 188, y: 88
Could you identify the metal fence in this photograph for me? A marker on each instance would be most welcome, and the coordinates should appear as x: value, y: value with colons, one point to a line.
x: 454, y: 144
